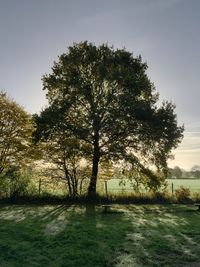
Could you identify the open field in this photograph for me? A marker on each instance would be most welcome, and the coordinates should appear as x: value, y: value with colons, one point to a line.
x: 73, y: 236
x: 192, y: 184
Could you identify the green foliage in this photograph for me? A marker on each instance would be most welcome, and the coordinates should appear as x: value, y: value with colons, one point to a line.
x: 16, y: 183
x: 16, y: 130
x: 139, y: 181
x: 103, y: 98
x: 62, y: 155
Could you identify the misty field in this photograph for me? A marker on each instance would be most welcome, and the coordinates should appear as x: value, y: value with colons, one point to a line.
x: 129, y: 235
x: 192, y: 184
x: 114, y: 185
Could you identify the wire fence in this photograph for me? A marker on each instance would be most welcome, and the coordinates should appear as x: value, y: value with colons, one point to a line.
x: 115, y: 186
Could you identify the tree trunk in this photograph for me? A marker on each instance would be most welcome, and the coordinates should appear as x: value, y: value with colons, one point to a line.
x: 74, y: 184
x: 67, y: 177
x: 95, y: 166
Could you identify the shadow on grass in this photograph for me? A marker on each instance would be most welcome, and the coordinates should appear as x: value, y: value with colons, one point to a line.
x: 73, y: 236
x: 60, y: 236
x: 161, y: 236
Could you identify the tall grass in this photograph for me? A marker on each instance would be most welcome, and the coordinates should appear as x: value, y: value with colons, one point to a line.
x: 182, y: 196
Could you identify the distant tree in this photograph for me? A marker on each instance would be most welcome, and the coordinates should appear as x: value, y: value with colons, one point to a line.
x: 16, y: 130
x: 104, y: 99
x: 177, y: 172
x: 195, y: 171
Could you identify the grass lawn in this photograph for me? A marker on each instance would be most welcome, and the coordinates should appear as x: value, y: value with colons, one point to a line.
x: 73, y: 236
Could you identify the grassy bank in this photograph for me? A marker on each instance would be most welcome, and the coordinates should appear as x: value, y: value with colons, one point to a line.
x: 73, y: 236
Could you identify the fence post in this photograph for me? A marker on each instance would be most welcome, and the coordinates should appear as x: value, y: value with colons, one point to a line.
x: 106, y: 188
x: 172, y: 188
x: 39, y: 188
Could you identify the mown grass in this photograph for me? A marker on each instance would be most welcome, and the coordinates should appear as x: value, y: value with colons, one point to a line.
x: 59, y: 236
x: 73, y: 236
x: 162, y: 236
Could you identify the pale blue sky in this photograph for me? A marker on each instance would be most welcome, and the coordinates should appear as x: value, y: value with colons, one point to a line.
x: 165, y: 32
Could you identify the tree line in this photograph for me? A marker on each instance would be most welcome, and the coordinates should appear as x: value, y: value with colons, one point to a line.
x: 102, y: 112
x: 179, y: 173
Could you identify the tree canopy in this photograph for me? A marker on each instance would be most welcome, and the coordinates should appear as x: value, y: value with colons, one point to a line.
x: 16, y: 130
x: 103, y: 98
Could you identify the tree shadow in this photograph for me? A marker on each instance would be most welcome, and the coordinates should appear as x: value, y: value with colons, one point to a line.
x: 72, y: 235
x: 161, y: 236
x: 61, y: 236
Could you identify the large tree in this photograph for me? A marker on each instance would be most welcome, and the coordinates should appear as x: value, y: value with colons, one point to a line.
x: 16, y: 130
x: 104, y: 98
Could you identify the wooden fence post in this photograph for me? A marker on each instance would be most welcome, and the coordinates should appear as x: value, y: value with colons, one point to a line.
x: 106, y: 188
x: 39, y: 188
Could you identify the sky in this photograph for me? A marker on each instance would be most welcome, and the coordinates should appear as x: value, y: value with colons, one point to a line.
x: 166, y: 33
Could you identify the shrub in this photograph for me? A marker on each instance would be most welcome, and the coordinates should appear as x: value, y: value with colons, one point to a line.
x: 15, y: 184
x: 183, y: 194
x: 162, y: 197
x: 196, y: 197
